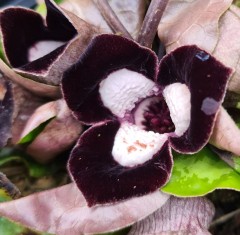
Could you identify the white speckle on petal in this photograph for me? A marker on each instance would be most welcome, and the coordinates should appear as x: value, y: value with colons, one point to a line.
x: 133, y: 146
x: 178, y: 99
x: 123, y: 88
x: 209, y: 106
x: 42, y: 48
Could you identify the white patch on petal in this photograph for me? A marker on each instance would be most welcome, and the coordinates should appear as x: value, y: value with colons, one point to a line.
x: 209, y: 106
x: 42, y: 48
x: 133, y: 146
x: 177, y: 96
x: 123, y: 88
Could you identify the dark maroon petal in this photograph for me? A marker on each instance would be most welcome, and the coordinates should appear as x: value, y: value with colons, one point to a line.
x: 206, y: 79
x: 103, y: 180
x: 42, y: 64
x: 58, y: 25
x: 105, y: 54
x: 6, y: 111
x: 21, y: 28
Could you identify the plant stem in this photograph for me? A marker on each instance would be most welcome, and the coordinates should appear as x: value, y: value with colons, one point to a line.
x: 225, y: 218
x: 151, y: 21
x: 111, y: 18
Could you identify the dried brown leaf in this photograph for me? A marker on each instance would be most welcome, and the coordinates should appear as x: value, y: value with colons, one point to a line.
x: 130, y: 13
x: 59, y: 135
x: 179, y: 216
x: 192, y: 22
x: 226, y: 135
x: 64, y: 211
x: 37, y: 88
x: 228, y: 47
x: 25, y: 104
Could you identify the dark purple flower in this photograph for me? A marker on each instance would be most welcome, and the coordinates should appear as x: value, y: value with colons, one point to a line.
x: 139, y: 109
x: 41, y: 49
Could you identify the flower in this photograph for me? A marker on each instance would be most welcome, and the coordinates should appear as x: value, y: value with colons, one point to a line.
x: 42, y: 49
x: 138, y: 109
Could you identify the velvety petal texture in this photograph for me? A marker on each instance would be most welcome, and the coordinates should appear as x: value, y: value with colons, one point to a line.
x: 102, y: 180
x: 45, y: 48
x: 105, y: 54
x: 139, y: 108
x: 206, y: 79
x: 22, y: 28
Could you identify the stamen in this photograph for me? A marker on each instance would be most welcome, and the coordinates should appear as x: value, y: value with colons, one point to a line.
x: 155, y: 116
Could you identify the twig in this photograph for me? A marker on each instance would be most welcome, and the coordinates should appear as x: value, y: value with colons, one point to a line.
x: 111, y: 18
x: 151, y: 21
x: 8, y: 186
x: 225, y: 218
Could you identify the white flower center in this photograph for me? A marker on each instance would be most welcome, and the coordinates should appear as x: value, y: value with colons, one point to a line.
x: 134, y: 146
x: 123, y: 88
x: 42, y: 48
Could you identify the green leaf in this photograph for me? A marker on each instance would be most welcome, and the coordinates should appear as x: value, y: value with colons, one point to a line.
x: 35, y: 169
x: 236, y: 160
x: 199, y: 174
x: 1, y: 51
x: 32, y: 135
x: 237, y: 3
x: 4, y: 196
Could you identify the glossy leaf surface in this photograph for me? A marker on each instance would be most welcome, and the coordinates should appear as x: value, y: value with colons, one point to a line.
x: 201, y: 173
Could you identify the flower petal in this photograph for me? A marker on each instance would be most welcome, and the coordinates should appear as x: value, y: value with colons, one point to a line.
x: 121, y: 89
x: 102, y: 180
x: 206, y: 79
x: 133, y: 146
x: 45, y: 49
x: 19, y: 35
x: 178, y: 96
x: 105, y: 54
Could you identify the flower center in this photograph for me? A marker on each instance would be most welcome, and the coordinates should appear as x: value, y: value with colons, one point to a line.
x: 153, y: 114
x: 157, y: 117
x: 42, y: 48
